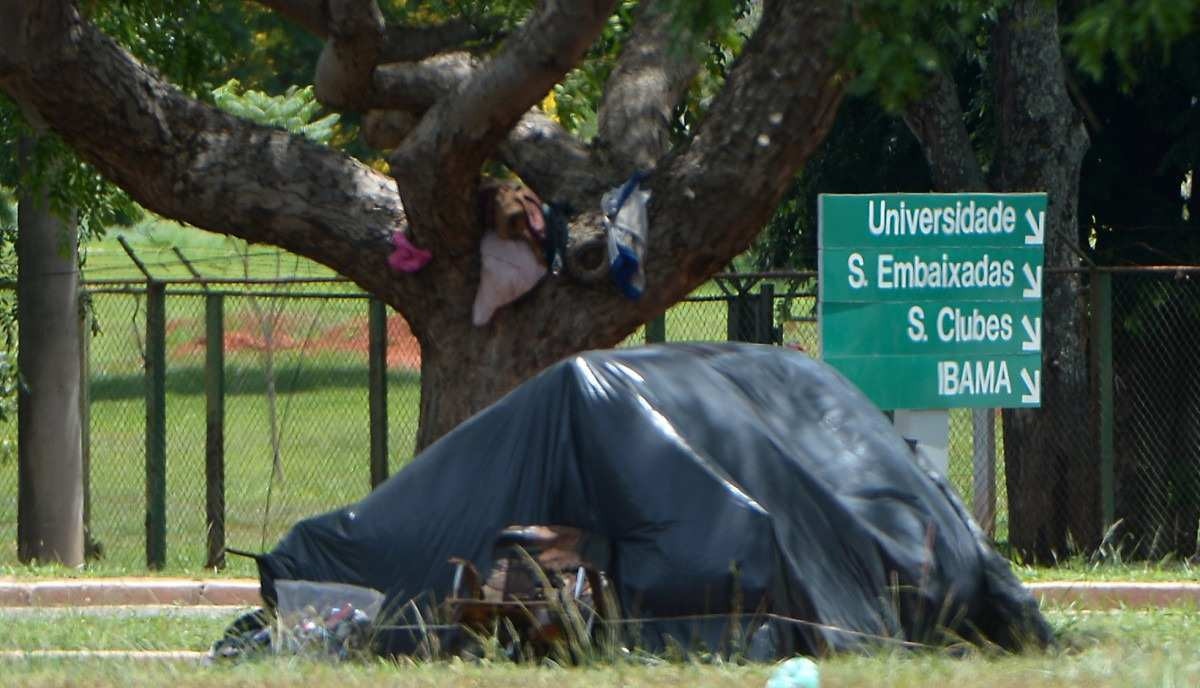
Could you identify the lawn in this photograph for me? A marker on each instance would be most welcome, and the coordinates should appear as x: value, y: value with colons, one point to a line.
x: 320, y: 377
x: 1124, y: 648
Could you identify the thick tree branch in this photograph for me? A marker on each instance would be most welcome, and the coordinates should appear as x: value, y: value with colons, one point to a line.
x: 775, y: 109
x: 343, y: 77
x: 191, y: 162
x: 711, y: 198
x: 400, y: 43
x: 553, y: 162
x: 550, y: 160
x: 936, y: 120
x: 412, y: 43
x: 415, y: 87
x: 27, y: 30
x: 437, y: 164
x: 649, y: 79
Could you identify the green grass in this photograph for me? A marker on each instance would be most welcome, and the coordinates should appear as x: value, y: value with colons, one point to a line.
x: 82, y: 629
x: 1103, y: 650
x: 212, y: 254
x: 1078, y: 569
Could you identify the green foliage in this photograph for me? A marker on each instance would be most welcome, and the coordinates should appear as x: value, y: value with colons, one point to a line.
x: 705, y: 17
x: 74, y: 185
x: 293, y: 111
x: 577, y: 96
x: 867, y: 151
x: 892, y: 45
x: 715, y: 29
x: 499, y: 15
x: 1123, y: 30
x: 8, y: 210
x: 187, y: 40
x: 192, y: 42
x: 726, y: 35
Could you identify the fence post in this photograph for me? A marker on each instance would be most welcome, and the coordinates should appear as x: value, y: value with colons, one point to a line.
x: 656, y: 330
x: 214, y: 414
x: 1102, y: 364
x: 764, y: 317
x: 734, y: 308
x: 91, y: 549
x: 156, y: 425
x: 983, y: 473
x: 377, y: 386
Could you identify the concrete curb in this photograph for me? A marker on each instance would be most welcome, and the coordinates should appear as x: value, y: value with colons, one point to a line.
x: 128, y: 591
x: 1116, y: 595
x: 244, y: 593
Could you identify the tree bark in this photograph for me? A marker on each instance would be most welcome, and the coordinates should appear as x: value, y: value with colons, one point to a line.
x: 936, y: 121
x: 50, y: 459
x: 1053, y: 480
x: 649, y: 79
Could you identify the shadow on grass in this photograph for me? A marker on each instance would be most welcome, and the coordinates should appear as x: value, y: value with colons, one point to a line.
x: 189, y: 381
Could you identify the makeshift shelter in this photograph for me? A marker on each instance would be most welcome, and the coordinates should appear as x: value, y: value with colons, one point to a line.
x: 741, y: 490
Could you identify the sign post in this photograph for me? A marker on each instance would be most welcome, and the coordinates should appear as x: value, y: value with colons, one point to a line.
x: 934, y: 301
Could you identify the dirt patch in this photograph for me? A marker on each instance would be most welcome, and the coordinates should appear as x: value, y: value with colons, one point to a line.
x: 349, y: 335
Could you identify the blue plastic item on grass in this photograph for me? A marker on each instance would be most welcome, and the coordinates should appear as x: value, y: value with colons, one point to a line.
x: 797, y: 672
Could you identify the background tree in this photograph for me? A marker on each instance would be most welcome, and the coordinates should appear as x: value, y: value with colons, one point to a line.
x: 1139, y: 205
x: 994, y: 104
x: 63, y: 201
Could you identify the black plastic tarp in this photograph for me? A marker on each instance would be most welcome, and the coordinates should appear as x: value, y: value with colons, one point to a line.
x: 727, y: 478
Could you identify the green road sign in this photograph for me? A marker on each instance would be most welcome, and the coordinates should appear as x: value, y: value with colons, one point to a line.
x: 924, y: 220
x: 945, y: 382
x: 958, y: 328
x: 934, y: 301
x: 907, y: 274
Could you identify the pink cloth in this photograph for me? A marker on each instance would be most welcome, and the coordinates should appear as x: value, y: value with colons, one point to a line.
x: 406, y: 257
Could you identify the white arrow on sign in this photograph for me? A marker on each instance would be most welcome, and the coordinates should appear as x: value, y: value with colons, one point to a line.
x: 1034, y: 278
x: 1033, y: 386
x: 1037, y: 225
x: 1033, y: 328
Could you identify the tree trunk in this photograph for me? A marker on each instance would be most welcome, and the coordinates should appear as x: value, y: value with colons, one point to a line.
x: 50, y: 463
x: 465, y: 368
x: 1052, y: 473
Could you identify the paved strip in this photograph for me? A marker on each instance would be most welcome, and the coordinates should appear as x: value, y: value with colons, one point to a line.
x: 128, y: 591
x: 114, y: 592
x: 118, y: 655
x: 1116, y: 595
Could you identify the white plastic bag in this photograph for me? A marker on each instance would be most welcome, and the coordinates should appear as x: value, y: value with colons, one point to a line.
x: 327, y: 619
x: 627, y: 224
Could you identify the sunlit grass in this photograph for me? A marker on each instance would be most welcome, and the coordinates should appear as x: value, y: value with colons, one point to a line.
x: 1160, y: 648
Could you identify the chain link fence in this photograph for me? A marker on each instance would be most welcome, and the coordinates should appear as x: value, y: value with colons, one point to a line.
x: 296, y: 425
x: 297, y: 384
x: 1156, y: 443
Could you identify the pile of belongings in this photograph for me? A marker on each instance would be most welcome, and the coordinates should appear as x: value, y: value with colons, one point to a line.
x: 731, y: 493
